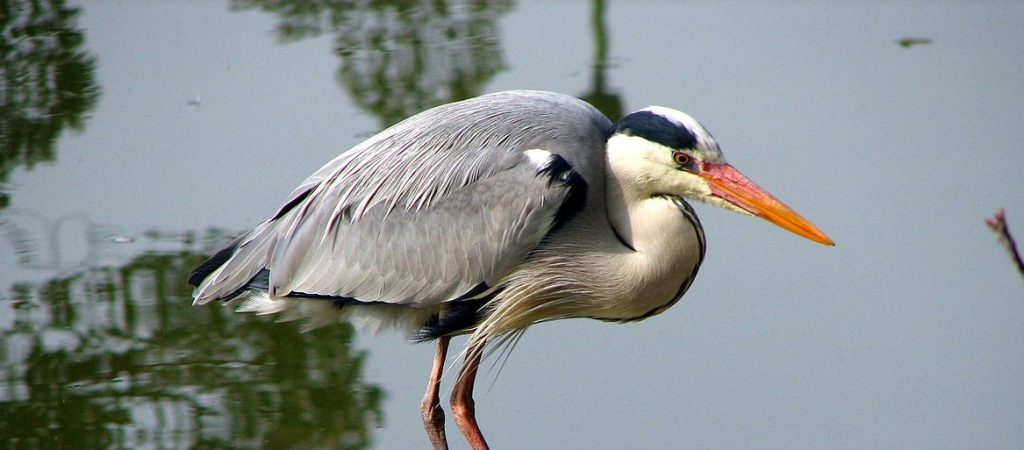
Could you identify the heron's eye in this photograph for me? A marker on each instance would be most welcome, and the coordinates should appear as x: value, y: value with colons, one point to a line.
x: 681, y: 158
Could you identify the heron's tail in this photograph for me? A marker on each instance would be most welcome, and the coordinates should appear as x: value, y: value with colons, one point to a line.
x: 239, y: 275
x: 235, y: 268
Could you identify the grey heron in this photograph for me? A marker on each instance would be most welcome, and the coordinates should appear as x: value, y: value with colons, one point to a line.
x: 485, y: 216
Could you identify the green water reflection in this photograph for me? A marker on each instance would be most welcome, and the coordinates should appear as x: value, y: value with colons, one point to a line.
x: 115, y: 357
x: 105, y: 355
x: 47, y: 81
x: 401, y: 57
x: 600, y: 94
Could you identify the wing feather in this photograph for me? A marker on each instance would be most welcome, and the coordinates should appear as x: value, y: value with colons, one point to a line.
x: 476, y: 233
x: 424, y: 211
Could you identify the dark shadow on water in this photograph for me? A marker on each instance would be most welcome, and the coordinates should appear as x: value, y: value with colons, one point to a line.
x: 116, y: 357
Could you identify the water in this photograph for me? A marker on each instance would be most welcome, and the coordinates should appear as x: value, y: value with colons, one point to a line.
x: 137, y: 136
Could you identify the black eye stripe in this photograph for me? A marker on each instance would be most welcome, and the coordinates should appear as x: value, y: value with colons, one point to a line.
x: 657, y: 128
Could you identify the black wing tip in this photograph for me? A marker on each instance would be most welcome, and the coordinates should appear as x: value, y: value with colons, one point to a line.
x: 223, y: 255
x: 211, y: 264
x: 292, y: 204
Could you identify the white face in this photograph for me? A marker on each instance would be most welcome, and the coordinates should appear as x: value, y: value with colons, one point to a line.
x: 660, y: 151
x: 663, y: 151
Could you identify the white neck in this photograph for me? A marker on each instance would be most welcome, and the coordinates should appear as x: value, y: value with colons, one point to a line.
x: 667, y: 246
x: 629, y: 259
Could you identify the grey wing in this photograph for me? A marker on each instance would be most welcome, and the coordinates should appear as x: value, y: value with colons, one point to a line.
x: 423, y: 212
x: 475, y: 233
x: 421, y: 255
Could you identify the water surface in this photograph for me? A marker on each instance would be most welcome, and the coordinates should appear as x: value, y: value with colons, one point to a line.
x: 138, y: 136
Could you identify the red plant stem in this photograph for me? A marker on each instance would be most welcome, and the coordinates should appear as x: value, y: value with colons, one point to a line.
x: 1002, y: 231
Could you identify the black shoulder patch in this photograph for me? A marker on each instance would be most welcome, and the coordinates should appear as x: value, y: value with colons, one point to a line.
x: 657, y: 128
x: 558, y: 170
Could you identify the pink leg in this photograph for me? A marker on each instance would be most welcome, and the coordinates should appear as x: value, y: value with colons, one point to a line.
x: 433, y: 415
x: 462, y: 399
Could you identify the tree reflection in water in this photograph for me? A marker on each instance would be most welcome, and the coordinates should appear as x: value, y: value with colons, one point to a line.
x: 401, y: 57
x: 601, y: 95
x: 116, y: 357
x: 47, y: 81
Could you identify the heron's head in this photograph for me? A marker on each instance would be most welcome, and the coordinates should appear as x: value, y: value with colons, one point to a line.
x: 667, y: 152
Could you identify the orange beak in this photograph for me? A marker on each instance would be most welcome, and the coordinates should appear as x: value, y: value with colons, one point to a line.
x: 734, y: 187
